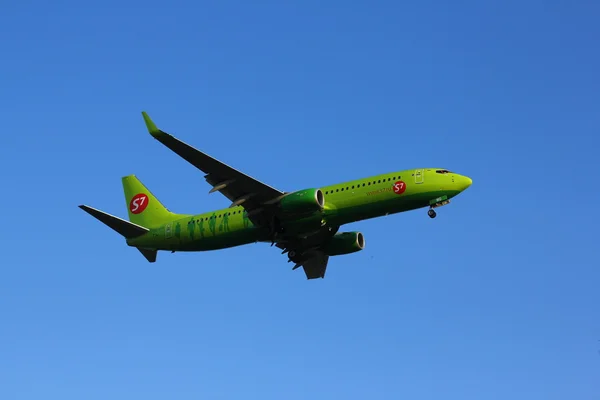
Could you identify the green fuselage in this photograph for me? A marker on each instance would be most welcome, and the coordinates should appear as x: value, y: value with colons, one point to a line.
x: 345, y: 203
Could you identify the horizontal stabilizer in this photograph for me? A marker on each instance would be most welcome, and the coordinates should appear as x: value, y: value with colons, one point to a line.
x: 149, y: 254
x: 127, y: 229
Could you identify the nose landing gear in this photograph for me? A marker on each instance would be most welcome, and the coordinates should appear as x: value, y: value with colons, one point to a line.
x: 435, y: 203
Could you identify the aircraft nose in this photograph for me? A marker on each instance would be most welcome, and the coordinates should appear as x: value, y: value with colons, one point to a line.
x: 464, y: 182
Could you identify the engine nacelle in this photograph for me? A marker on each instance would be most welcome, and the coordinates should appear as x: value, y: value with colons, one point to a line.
x: 345, y: 243
x: 303, y: 201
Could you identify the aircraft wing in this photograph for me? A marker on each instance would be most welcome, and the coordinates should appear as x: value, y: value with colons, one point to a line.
x: 315, y: 266
x: 307, y: 252
x: 255, y: 196
x: 238, y: 187
x: 313, y: 262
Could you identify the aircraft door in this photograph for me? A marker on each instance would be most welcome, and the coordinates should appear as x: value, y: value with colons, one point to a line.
x: 419, y: 176
x: 168, y: 231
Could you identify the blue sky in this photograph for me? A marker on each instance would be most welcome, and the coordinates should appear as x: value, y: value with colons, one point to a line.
x: 496, y: 298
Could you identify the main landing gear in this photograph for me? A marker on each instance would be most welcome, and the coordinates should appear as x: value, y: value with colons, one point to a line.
x: 276, y: 230
x: 431, y: 213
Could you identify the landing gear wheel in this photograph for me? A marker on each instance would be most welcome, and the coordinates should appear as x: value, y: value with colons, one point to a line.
x: 292, y: 254
x: 431, y: 213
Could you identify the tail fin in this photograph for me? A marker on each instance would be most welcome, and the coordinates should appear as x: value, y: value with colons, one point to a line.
x: 143, y: 207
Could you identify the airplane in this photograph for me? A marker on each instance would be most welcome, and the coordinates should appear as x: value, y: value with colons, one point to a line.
x: 303, y: 224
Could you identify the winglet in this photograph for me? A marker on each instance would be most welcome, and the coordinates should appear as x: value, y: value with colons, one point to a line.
x: 154, y: 131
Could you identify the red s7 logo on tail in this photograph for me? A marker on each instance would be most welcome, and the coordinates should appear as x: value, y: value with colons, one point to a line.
x: 138, y: 203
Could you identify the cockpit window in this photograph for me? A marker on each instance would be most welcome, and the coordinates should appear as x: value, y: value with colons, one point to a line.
x: 442, y: 171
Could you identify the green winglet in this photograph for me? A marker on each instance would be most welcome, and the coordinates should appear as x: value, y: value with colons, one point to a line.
x: 154, y: 131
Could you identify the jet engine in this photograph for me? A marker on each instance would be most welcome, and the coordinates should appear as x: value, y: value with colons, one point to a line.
x: 345, y: 243
x: 303, y: 201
